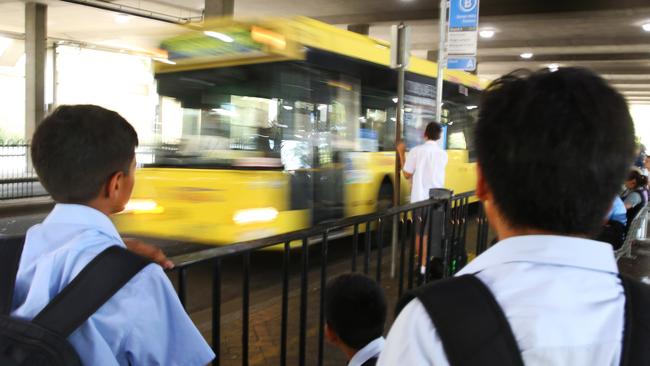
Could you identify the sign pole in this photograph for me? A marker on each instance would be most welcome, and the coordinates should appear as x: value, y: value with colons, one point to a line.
x: 399, y: 60
x: 442, y: 58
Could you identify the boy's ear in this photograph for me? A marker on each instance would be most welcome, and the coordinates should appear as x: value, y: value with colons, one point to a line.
x: 482, y: 189
x: 330, y: 335
x: 113, y: 184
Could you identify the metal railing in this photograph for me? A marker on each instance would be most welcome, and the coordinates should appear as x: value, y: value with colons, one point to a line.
x: 636, y: 233
x: 444, y: 220
x: 17, y: 176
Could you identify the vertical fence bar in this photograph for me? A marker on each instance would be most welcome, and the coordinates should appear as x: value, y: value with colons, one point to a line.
x: 420, y: 244
x: 304, y: 281
x: 182, y: 289
x: 286, y: 259
x: 216, y: 311
x: 245, y: 308
x: 402, y: 243
x: 323, y: 284
x: 380, y: 247
x: 366, y: 258
x: 355, y: 247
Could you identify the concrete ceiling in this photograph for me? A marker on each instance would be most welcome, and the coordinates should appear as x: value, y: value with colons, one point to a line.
x: 603, y: 35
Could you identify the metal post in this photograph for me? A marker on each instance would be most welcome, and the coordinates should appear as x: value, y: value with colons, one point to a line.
x: 399, y: 120
x: 442, y: 58
x: 218, y: 8
x: 35, y: 54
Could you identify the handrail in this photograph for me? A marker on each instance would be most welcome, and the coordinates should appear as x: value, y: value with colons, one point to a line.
x: 188, y: 259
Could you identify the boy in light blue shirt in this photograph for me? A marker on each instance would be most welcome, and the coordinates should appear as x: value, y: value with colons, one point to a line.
x: 85, y: 157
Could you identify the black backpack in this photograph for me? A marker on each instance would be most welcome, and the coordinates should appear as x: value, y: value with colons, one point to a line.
x: 474, y: 331
x: 42, y: 341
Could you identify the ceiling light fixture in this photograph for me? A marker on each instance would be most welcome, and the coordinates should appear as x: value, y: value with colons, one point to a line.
x: 553, y: 67
x: 219, y: 36
x: 646, y: 27
x: 486, y: 33
x: 122, y: 18
x: 526, y: 55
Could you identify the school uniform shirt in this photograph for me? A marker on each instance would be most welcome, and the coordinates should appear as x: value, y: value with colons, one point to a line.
x: 142, y: 324
x: 561, y: 295
x: 366, y: 355
x: 427, y: 163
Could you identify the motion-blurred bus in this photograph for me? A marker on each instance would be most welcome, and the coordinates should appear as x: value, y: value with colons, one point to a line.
x: 273, y: 126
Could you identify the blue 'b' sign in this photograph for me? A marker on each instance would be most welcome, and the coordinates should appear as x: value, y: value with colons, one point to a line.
x: 463, y: 14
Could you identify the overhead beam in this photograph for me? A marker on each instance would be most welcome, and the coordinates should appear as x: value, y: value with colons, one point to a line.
x: 593, y: 57
x: 35, y: 54
x: 429, y: 10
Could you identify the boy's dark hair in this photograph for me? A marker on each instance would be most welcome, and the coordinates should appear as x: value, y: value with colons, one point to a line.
x: 554, y: 148
x: 433, y: 131
x: 78, y: 147
x: 355, y: 309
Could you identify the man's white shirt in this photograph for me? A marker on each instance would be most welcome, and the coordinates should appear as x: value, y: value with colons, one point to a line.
x: 427, y: 163
x: 561, y: 295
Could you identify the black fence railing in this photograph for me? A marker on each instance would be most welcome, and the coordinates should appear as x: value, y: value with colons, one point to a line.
x: 19, y: 180
x: 439, y: 224
x: 17, y: 176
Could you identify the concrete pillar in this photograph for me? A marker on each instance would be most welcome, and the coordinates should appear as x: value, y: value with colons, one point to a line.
x: 35, y: 54
x: 359, y: 28
x: 219, y: 8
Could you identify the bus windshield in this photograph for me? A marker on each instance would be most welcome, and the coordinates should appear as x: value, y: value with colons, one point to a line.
x: 268, y: 115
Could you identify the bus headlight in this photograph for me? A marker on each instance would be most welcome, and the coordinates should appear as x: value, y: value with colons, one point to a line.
x: 142, y: 206
x: 252, y: 215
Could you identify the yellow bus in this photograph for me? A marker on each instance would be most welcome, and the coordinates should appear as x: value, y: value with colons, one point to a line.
x: 282, y: 124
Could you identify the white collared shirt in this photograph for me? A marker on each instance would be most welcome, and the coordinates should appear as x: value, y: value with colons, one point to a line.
x: 371, y: 350
x: 144, y: 323
x: 561, y: 295
x: 427, y: 163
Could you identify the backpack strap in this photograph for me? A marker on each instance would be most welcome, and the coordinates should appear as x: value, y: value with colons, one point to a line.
x: 10, y: 251
x: 90, y: 289
x: 472, y: 327
x: 636, y: 333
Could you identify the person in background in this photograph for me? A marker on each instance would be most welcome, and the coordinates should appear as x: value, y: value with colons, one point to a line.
x: 355, y: 314
x: 614, y: 229
x: 84, y: 156
x: 553, y: 149
x: 425, y: 166
x: 635, y: 195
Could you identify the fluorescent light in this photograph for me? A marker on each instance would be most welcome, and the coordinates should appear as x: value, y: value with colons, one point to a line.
x: 486, y: 33
x: 219, y: 36
x: 122, y: 18
x: 252, y: 215
x: 4, y: 44
x: 553, y: 67
x: 470, y: 107
x: 526, y: 55
x: 225, y: 112
x: 287, y: 107
x: 646, y: 27
x: 164, y: 60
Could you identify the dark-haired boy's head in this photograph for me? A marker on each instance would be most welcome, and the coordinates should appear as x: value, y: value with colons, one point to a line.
x: 355, y: 309
x: 78, y: 149
x: 433, y: 131
x: 553, y: 149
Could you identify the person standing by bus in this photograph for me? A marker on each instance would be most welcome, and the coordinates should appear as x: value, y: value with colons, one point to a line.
x: 425, y: 167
